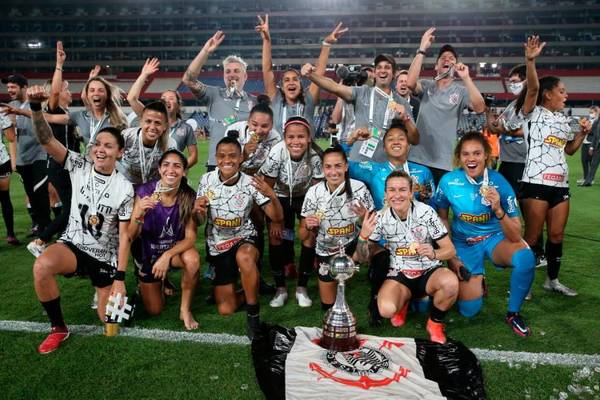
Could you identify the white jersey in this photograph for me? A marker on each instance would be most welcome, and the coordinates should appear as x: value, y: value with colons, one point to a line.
x: 139, y: 163
x: 5, y: 123
x: 114, y: 203
x: 422, y: 226
x: 338, y: 221
x: 292, y: 178
x: 229, y: 210
x: 258, y: 158
x: 546, y: 134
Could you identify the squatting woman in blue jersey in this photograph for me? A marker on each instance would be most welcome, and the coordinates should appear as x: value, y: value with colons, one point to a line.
x: 485, y: 224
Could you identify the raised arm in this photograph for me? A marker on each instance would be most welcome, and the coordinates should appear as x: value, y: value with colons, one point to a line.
x: 192, y: 158
x: 330, y: 40
x: 412, y: 79
x: 133, y: 97
x: 36, y: 95
x: 94, y: 72
x: 476, y: 102
x: 267, y: 60
x: 190, y: 77
x: 57, y: 81
x: 345, y: 92
x: 533, y: 48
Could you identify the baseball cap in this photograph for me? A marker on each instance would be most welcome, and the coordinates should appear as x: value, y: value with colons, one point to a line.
x: 446, y: 48
x: 385, y: 57
x: 16, y: 78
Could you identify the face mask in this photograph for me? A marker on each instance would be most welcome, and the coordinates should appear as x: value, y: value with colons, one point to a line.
x: 515, y: 87
x: 592, y: 117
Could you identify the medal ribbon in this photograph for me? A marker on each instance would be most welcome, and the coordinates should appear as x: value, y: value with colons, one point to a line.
x: 95, y: 127
x: 142, y: 155
x: 386, y: 116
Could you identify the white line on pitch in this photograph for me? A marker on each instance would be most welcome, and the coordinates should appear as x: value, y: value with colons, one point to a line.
x: 227, y: 339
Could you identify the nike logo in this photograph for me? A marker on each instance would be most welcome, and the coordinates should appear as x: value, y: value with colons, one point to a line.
x: 457, y: 196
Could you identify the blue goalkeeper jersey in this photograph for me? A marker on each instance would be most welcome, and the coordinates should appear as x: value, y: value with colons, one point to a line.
x: 472, y: 218
x: 374, y: 175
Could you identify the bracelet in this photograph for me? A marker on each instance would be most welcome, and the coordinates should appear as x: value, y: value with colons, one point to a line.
x: 139, y: 220
x: 420, y: 51
x: 363, y: 239
x: 503, y: 215
x: 326, y: 44
x: 119, y: 276
x: 35, y: 106
x: 59, y: 69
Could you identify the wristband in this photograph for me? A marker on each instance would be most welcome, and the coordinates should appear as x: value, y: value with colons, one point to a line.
x: 119, y: 276
x: 326, y: 44
x: 420, y: 51
x: 59, y: 69
x: 139, y: 220
x: 503, y: 215
x: 361, y: 238
x: 35, y: 106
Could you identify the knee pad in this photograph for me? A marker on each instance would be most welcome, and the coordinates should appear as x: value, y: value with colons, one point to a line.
x: 420, y: 305
x: 523, y: 259
x: 470, y: 308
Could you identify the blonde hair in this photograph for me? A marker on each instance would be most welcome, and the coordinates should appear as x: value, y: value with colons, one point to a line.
x: 113, y: 102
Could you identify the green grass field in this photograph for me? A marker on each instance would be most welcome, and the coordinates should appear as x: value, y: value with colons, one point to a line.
x: 99, y: 367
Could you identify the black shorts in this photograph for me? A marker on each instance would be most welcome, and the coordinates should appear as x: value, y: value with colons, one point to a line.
x: 512, y: 172
x: 5, y: 170
x: 550, y: 194
x: 291, y: 210
x: 416, y: 286
x: 226, y: 270
x: 349, y: 249
x: 101, y: 274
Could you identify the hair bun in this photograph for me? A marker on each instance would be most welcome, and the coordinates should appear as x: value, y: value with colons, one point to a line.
x: 263, y: 99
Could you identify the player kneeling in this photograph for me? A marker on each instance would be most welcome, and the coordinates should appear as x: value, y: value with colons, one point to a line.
x: 410, y: 229
x: 225, y: 198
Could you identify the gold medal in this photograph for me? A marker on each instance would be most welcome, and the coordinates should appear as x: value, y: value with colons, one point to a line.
x: 93, y: 220
x: 156, y: 196
x: 320, y: 214
x: 412, y: 248
x: 392, y: 105
x: 483, y: 189
x: 210, y: 195
x: 254, y: 137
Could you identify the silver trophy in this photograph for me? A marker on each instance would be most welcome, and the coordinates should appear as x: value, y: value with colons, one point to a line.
x: 339, y: 324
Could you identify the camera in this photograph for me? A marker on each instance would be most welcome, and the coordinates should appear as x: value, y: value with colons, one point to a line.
x: 352, y: 75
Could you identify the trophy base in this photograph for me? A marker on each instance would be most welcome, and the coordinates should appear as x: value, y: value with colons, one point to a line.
x: 339, y: 344
x: 111, y: 329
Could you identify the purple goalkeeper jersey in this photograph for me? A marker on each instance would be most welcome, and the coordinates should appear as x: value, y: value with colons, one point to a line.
x: 161, y: 230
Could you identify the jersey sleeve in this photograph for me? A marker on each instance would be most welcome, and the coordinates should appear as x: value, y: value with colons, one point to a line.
x: 508, y: 200
x: 272, y: 164
x: 440, y: 199
x: 126, y: 207
x: 210, y: 93
x: 364, y: 196
x: 426, y: 84
x: 258, y: 197
x: 74, y: 161
x: 202, y: 186
x: 190, y: 137
x: 435, y: 226
x: 317, y: 166
x: 363, y: 171
x: 310, y: 204
x: 428, y: 181
x: 76, y: 117
x: 465, y: 100
x: 358, y: 92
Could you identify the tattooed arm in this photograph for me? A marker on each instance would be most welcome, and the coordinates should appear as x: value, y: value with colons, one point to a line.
x: 190, y: 77
x: 42, y: 130
x: 362, y: 248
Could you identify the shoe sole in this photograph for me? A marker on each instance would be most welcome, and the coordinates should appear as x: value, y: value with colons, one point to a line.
x: 56, y: 348
x: 559, y: 292
x: 519, y: 332
x: 33, y: 252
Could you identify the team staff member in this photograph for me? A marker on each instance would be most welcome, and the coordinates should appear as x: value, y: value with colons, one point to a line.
x: 404, y: 91
x: 225, y: 198
x: 180, y: 131
x: 96, y: 241
x: 442, y: 103
x: 545, y: 191
x: 332, y: 211
x: 485, y: 224
x: 225, y: 105
x: 374, y: 107
x: 162, y: 218
x: 31, y: 159
x: 410, y: 229
x: 290, y: 99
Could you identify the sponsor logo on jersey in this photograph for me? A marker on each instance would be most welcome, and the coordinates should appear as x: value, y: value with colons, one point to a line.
x: 228, y: 223
x: 227, y: 244
x: 555, y: 141
x: 412, y: 273
x: 342, y: 231
x: 456, y: 182
x: 554, y: 177
x: 405, y: 252
x: 485, y: 217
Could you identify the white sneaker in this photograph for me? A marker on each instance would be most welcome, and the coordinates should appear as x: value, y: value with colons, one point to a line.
x: 529, y: 296
x: 556, y: 286
x: 35, y: 248
x: 302, y: 297
x: 280, y: 298
x: 541, y: 262
x: 94, y: 303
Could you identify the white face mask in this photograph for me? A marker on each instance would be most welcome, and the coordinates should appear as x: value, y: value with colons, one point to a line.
x: 515, y: 87
x: 592, y: 117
